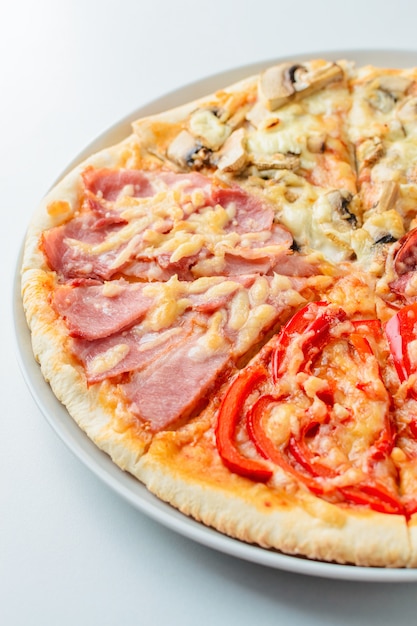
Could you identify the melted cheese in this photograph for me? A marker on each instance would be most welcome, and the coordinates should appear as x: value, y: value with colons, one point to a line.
x: 205, y: 125
x: 109, y: 359
x: 258, y: 318
x: 212, y: 341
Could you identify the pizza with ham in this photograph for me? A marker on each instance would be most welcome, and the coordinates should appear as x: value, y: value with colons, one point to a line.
x: 226, y: 303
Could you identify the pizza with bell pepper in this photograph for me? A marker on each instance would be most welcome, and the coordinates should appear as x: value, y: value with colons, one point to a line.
x: 226, y: 303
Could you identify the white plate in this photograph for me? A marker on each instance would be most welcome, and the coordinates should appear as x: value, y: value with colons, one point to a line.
x: 96, y: 460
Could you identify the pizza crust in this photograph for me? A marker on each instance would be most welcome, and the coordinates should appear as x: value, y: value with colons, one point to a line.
x: 191, y: 477
x: 104, y: 420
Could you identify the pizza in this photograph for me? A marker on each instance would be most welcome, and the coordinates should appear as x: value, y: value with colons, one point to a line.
x: 226, y: 303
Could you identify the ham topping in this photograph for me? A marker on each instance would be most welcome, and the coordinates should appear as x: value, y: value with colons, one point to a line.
x: 194, y: 220
x: 94, y: 312
x: 125, y: 352
x: 110, y: 184
x: 68, y: 248
x: 137, y: 329
x: 172, y: 387
x: 119, y: 325
x: 207, y: 255
x: 250, y: 213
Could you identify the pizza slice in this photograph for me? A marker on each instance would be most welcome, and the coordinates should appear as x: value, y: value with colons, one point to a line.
x: 282, y: 136
x: 143, y: 274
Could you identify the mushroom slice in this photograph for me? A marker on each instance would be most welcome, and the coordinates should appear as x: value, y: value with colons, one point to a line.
x: 369, y: 152
x: 394, y: 84
x: 285, y: 82
x: 182, y: 148
x: 385, y: 227
x: 388, y: 197
x: 276, y: 161
x: 407, y: 111
x: 316, y: 142
x: 339, y: 200
x: 386, y: 90
x: 276, y: 85
x: 233, y: 156
x: 381, y: 100
x: 320, y: 79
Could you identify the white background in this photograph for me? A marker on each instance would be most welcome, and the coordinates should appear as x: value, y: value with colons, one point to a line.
x: 72, y: 552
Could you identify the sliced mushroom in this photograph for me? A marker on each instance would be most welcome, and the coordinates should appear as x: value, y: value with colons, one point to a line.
x: 233, y: 156
x: 339, y: 200
x: 276, y: 86
x: 388, y: 197
x: 316, y: 142
x: 321, y: 79
x: 261, y: 117
x: 386, y: 239
x: 407, y: 110
x: 381, y: 100
x: 385, y: 227
x: 288, y: 82
x: 182, y: 148
x: 187, y: 152
x: 394, y: 84
x: 276, y: 161
x: 369, y: 152
x: 384, y: 91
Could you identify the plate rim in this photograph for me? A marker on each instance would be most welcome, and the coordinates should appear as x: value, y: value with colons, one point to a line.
x: 97, y: 461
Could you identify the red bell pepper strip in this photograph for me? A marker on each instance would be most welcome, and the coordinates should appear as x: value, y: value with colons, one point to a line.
x: 361, y: 344
x: 375, y: 496
x: 266, y: 447
x: 400, y: 330
x: 373, y: 327
x: 405, y: 259
x: 314, y: 321
x: 302, y: 454
x: 371, y: 494
x: 410, y: 505
x: 413, y: 427
x: 229, y: 414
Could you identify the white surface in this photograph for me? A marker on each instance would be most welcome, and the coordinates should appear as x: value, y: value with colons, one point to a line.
x: 71, y: 550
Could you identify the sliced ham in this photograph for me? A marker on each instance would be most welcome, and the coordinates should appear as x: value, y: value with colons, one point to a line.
x: 251, y: 214
x: 148, y: 269
x: 110, y: 184
x: 93, y: 311
x: 295, y: 265
x: 280, y: 235
x: 188, y: 183
x: 125, y: 352
x: 73, y: 249
x: 235, y: 264
x: 105, y: 217
x: 67, y: 255
x: 97, y: 311
x: 405, y: 287
x: 172, y: 387
x: 181, y: 268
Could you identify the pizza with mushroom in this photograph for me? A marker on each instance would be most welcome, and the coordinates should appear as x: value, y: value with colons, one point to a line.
x: 226, y: 303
